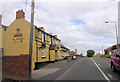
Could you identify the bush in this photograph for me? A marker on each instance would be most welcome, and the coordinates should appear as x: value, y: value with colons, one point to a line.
x: 106, y: 56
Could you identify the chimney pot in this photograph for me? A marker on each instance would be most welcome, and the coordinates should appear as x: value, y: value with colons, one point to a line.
x: 20, y: 14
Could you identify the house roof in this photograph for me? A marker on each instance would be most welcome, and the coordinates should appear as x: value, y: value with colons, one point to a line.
x: 62, y: 46
x: 72, y: 53
x: 40, y: 28
x: 55, y: 36
x: 98, y: 54
x: 53, y: 47
x: 4, y: 26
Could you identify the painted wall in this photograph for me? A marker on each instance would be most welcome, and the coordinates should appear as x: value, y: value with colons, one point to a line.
x: 52, y: 56
x: 12, y: 45
x: 17, y: 42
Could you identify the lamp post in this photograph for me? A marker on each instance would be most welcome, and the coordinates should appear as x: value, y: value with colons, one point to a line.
x: 116, y: 30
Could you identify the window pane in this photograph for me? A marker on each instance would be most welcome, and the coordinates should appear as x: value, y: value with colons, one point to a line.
x: 43, y: 37
x: 50, y: 40
x: 118, y: 52
x: 43, y: 52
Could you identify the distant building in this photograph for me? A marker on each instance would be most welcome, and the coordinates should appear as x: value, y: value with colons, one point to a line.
x: 72, y: 53
x: 76, y: 51
x: 98, y: 54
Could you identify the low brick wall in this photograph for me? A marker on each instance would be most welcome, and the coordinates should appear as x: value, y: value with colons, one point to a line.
x: 15, y: 67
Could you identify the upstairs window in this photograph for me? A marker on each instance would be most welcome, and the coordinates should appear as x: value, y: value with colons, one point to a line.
x: 50, y: 40
x: 43, y: 37
x: 56, y: 42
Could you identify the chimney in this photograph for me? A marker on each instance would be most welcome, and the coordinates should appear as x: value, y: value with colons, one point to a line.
x: 0, y: 19
x: 20, y: 14
x: 76, y: 51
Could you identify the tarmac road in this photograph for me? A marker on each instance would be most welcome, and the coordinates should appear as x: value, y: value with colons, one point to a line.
x: 91, y: 69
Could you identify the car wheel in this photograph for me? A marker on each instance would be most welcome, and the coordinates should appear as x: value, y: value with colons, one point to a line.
x: 113, y: 67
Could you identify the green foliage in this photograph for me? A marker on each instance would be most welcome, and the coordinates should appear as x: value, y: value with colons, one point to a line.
x: 86, y: 56
x: 101, y: 55
x: 106, y: 56
x: 114, y: 47
x: 81, y: 55
x: 90, y: 53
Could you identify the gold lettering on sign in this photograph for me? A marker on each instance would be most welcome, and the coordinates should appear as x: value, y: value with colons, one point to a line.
x: 18, y: 37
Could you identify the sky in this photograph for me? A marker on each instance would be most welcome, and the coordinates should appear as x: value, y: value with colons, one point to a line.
x: 80, y: 24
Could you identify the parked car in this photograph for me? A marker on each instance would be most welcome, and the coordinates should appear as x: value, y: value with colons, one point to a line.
x: 115, y: 60
x: 74, y: 57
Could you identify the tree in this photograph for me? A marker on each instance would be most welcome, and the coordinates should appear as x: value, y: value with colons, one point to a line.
x: 114, y: 47
x: 90, y: 53
x: 81, y: 55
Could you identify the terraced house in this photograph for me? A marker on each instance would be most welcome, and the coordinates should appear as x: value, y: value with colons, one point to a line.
x: 64, y: 52
x: 0, y: 35
x: 46, y: 46
x: 55, y: 48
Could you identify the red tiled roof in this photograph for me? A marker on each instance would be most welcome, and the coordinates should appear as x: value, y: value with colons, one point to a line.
x: 72, y: 53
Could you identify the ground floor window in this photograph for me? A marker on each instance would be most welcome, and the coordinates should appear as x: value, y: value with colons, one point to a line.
x: 62, y: 54
x: 65, y: 54
x: 43, y: 52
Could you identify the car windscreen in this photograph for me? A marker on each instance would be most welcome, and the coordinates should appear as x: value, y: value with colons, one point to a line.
x: 118, y: 52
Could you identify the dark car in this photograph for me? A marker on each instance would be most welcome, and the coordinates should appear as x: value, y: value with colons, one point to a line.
x: 115, y: 60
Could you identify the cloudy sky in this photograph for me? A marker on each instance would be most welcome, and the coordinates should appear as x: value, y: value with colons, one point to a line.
x: 80, y: 24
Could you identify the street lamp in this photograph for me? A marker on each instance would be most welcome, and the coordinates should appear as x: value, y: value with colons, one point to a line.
x: 116, y: 30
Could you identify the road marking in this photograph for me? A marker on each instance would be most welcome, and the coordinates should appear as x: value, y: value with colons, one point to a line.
x: 101, y: 71
x: 110, y: 75
x: 67, y: 71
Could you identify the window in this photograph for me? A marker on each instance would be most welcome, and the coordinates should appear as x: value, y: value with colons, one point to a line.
x: 62, y: 54
x: 43, y: 52
x: 56, y: 42
x: 65, y: 54
x: 118, y: 52
x: 50, y: 40
x: 43, y: 37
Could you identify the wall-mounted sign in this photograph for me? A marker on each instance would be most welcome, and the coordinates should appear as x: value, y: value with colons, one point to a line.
x: 18, y: 37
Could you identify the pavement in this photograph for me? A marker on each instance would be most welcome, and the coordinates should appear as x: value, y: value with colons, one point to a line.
x: 0, y: 66
x: 52, y: 71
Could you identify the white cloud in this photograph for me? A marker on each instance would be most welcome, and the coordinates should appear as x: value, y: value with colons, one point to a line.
x: 55, y: 17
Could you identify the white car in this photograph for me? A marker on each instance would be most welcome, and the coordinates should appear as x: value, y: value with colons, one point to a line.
x: 74, y: 57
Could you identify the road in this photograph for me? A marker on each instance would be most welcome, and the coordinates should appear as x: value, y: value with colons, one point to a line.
x: 90, y: 69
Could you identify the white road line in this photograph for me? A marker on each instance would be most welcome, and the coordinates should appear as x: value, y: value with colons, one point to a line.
x: 67, y: 70
x: 101, y: 71
x: 110, y: 75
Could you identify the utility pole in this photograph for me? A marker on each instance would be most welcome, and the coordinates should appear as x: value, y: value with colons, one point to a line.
x: 0, y: 19
x: 102, y: 49
x: 31, y: 38
x: 116, y: 31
